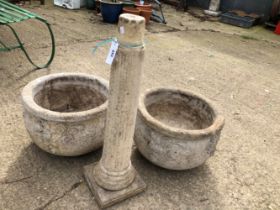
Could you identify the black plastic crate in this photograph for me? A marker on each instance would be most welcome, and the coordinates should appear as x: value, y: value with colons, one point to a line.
x: 237, y: 20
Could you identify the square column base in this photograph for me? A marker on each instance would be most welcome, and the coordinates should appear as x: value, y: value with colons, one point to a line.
x: 106, y: 198
x: 212, y: 13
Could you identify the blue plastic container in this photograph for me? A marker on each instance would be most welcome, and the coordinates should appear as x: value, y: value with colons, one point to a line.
x: 111, y: 11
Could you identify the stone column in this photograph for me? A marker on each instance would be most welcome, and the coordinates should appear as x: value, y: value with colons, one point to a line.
x: 114, y: 172
x: 213, y: 8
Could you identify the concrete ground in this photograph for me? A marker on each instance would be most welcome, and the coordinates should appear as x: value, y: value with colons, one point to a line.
x: 238, y: 69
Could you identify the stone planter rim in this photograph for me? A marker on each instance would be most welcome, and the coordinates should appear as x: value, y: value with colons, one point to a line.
x: 180, y: 133
x: 27, y: 96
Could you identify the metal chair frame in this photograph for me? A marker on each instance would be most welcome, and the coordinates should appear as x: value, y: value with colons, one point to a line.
x: 10, y: 13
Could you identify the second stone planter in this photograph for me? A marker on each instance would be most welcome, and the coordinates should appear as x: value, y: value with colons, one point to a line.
x: 177, y: 129
x: 65, y: 113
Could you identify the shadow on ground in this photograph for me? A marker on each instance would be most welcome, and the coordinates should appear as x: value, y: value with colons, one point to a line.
x: 166, y: 189
x: 37, y: 180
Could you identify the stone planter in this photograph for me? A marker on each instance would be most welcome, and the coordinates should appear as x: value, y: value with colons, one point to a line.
x: 65, y: 113
x: 177, y: 129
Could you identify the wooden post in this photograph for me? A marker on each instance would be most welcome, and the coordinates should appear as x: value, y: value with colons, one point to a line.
x: 114, y: 178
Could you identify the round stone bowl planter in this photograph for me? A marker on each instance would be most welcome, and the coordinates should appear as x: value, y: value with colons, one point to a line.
x: 177, y: 129
x: 65, y: 113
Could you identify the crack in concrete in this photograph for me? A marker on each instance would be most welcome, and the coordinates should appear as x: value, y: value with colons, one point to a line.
x: 16, y: 180
x: 173, y: 29
x: 166, y: 31
x: 66, y: 43
x: 170, y: 30
x: 54, y: 199
x: 202, y: 17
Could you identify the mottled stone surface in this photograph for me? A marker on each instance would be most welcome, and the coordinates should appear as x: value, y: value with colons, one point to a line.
x: 113, y: 178
x: 213, y: 8
x: 177, y: 129
x: 106, y: 198
x: 239, y: 74
x: 64, y: 114
x: 115, y: 171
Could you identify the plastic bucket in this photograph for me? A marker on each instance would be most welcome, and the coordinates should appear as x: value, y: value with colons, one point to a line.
x: 111, y: 11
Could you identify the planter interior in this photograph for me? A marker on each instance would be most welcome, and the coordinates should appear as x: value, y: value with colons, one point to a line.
x: 62, y: 95
x: 179, y: 110
x: 145, y: 5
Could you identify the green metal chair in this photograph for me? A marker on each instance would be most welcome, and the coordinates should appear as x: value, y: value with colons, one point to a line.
x: 10, y: 13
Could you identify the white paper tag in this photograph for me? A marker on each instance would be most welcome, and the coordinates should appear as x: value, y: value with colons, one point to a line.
x: 112, y: 52
x: 122, y: 30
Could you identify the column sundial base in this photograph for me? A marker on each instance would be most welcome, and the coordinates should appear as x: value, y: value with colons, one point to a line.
x: 106, y: 198
x: 212, y: 13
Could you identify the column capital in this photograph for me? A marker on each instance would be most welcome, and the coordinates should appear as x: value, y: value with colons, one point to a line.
x: 131, y: 29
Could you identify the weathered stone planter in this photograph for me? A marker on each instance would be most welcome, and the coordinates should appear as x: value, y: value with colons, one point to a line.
x: 65, y: 113
x: 177, y: 129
